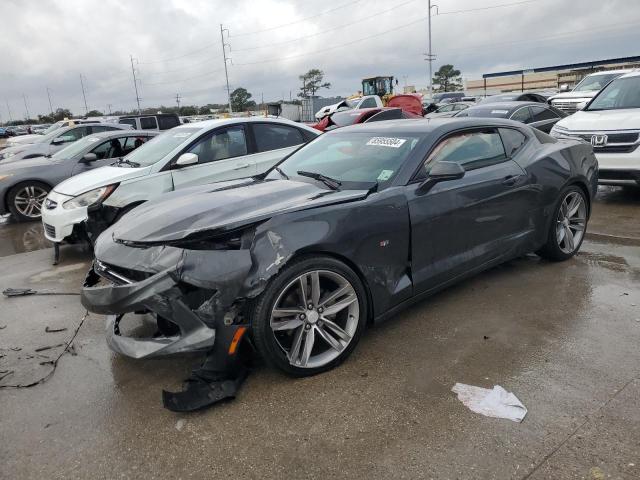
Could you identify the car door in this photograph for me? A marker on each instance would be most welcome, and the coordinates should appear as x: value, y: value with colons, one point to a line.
x: 272, y: 142
x: 543, y: 118
x: 222, y: 155
x: 460, y: 225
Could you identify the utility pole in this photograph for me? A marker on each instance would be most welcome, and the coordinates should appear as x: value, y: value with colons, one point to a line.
x: 135, y: 83
x: 429, y: 55
x: 9, y: 110
x: 84, y: 96
x: 25, y: 106
x: 178, y: 102
x: 109, y: 108
x: 224, y: 56
x: 50, y: 105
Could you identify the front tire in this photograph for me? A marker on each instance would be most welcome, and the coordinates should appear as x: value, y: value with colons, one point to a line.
x: 568, y: 226
x: 310, y: 317
x: 25, y: 200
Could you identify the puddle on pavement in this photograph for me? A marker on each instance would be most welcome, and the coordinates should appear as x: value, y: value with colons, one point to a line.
x: 21, y: 237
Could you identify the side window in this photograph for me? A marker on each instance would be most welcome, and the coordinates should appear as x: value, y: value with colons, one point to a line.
x: 459, y: 106
x: 101, y: 128
x: 74, y: 134
x: 129, y: 121
x: 167, y: 122
x: 111, y: 149
x: 148, y: 123
x: 446, y: 108
x: 541, y: 113
x: 368, y: 103
x: 271, y: 137
x: 471, y: 150
x: 523, y: 115
x: 222, y: 144
x: 132, y: 143
x: 513, y: 140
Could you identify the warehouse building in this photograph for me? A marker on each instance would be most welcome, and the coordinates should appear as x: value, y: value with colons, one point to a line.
x: 544, y: 78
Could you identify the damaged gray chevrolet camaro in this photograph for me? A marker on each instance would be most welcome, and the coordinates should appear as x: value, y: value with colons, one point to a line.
x: 344, y: 232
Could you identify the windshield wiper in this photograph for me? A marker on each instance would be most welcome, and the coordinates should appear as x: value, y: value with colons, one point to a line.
x: 332, y: 183
x: 277, y: 169
x: 128, y: 162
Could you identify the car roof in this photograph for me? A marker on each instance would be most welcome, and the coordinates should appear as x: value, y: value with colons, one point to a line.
x: 120, y: 133
x: 620, y: 71
x: 512, y: 105
x: 632, y: 73
x: 425, y: 126
x: 220, y: 122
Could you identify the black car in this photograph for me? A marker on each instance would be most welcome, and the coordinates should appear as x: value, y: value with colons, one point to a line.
x: 517, y: 97
x: 538, y: 115
x: 345, y: 232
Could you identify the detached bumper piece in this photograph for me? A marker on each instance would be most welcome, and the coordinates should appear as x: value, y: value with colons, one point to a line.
x: 223, y: 370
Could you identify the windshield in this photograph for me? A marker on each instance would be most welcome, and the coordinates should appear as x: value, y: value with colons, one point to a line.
x: 159, y: 147
x: 356, y: 159
x: 76, y: 147
x: 342, y: 119
x: 620, y: 93
x: 593, y: 83
x: 484, y: 112
x: 352, y: 103
x: 499, y: 98
x: 53, y: 128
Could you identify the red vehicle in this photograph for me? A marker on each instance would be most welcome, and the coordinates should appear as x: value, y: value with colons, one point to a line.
x: 409, y: 102
x: 362, y: 115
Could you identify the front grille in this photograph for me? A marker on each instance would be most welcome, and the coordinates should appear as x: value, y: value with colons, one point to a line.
x: 615, y: 149
x: 120, y: 275
x: 51, y: 230
x: 569, y: 107
x: 614, y: 137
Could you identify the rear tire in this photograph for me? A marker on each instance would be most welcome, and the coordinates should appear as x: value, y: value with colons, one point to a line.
x: 568, y: 225
x: 303, y: 340
x: 26, y: 199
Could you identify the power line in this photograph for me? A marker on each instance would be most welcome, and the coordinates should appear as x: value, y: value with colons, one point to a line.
x: 194, y: 52
x: 467, y: 10
x: 348, y: 4
x: 183, y: 80
x: 338, y: 27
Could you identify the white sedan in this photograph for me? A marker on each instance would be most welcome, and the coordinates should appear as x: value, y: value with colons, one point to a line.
x: 188, y: 155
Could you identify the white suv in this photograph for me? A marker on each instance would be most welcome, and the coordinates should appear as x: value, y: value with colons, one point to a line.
x: 188, y: 155
x: 584, y: 91
x: 611, y: 123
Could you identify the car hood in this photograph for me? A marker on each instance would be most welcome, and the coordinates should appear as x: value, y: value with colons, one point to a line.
x: 626, y: 119
x: 577, y: 96
x: 10, y: 165
x: 440, y: 114
x: 98, y: 177
x: 25, y: 139
x: 222, y: 207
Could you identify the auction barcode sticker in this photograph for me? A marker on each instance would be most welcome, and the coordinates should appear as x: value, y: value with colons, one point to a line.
x: 387, y: 142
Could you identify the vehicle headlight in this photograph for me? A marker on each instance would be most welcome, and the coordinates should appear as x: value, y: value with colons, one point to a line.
x: 557, y: 131
x: 90, y: 198
x: 7, y: 154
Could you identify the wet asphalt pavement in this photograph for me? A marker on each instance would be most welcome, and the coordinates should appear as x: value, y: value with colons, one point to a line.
x: 563, y: 337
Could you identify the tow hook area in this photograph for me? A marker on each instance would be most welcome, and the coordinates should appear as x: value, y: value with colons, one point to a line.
x: 218, y: 378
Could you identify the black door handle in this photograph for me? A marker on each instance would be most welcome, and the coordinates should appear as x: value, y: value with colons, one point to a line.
x: 510, y: 179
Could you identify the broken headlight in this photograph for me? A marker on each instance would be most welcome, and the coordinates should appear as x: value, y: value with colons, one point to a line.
x: 234, y: 240
x: 90, y: 198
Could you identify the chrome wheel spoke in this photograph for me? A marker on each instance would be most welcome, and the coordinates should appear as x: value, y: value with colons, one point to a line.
x: 337, y: 294
x: 294, y: 354
x: 340, y: 305
x: 303, y: 290
x: 286, y: 312
x: 335, y: 328
x: 315, y: 288
x: 333, y: 343
x: 569, y: 238
x: 287, y: 324
x: 309, y: 340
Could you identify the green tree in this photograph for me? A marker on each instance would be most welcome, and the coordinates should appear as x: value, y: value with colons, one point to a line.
x: 312, y: 81
x: 61, y: 114
x: 447, y: 79
x: 241, y: 100
x: 94, y: 113
x: 188, y: 110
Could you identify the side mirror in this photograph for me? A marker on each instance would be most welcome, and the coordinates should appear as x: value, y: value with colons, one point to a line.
x: 442, y: 172
x: 564, y: 87
x: 187, y: 159
x: 88, y: 158
x: 581, y: 105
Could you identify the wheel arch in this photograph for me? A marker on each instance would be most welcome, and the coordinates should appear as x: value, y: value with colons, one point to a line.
x: 5, y: 200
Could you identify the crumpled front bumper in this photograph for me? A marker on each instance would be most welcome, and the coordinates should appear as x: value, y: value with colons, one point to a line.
x: 159, y: 294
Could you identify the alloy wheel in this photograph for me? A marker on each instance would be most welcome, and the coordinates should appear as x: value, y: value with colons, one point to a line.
x: 315, y: 318
x: 29, y: 199
x: 571, y: 222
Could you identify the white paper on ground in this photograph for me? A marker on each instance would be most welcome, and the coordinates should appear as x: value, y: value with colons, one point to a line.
x: 496, y: 402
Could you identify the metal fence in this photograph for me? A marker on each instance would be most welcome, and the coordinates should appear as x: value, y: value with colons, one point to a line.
x: 311, y: 105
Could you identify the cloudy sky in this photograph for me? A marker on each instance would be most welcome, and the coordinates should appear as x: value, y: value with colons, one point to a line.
x: 176, y: 45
